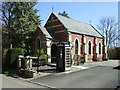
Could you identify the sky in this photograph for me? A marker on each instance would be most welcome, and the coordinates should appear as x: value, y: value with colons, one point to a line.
x: 82, y: 11
x: 119, y: 23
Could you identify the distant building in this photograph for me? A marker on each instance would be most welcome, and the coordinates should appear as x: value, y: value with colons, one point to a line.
x: 84, y: 39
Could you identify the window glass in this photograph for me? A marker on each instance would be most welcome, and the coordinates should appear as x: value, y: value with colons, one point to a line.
x: 89, y: 48
x: 76, y: 47
x: 99, y: 48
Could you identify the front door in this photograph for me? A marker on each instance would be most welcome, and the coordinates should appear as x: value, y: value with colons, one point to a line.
x: 53, y: 53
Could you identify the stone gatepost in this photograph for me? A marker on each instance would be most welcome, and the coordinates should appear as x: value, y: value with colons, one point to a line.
x: 28, y: 63
x: 28, y: 72
x: 19, y: 64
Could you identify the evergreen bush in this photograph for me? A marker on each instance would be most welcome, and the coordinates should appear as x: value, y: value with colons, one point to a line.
x: 11, y: 56
x: 41, y: 53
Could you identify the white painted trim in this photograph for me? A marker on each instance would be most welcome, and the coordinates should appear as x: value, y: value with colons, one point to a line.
x: 96, y: 40
x: 55, y: 26
x: 84, y: 39
x: 96, y: 51
x: 92, y: 44
x: 48, y: 43
x: 49, y: 60
x: 48, y: 49
x: 52, y: 20
x: 60, y: 31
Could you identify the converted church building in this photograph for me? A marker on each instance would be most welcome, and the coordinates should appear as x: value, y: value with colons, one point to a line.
x: 84, y: 39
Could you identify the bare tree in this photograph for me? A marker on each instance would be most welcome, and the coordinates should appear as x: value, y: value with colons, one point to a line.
x: 109, y: 29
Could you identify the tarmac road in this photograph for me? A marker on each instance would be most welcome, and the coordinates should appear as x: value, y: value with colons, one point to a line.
x: 96, y: 77
x: 9, y: 82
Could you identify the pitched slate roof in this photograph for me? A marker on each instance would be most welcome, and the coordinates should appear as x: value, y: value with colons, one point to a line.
x: 44, y: 31
x: 77, y: 26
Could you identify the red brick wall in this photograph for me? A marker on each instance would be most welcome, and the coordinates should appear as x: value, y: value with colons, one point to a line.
x: 100, y: 40
x: 91, y: 39
x: 88, y: 38
x: 79, y: 38
x: 54, y: 24
x: 42, y: 39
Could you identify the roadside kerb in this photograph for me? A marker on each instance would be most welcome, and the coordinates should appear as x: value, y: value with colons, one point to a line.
x: 54, y: 88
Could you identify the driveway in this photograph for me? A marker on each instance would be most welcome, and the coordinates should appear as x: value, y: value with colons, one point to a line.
x: 95, y: 77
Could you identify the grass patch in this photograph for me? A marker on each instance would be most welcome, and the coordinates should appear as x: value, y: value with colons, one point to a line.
x: 8, y: 71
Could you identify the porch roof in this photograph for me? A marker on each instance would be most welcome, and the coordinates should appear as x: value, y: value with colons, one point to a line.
x: 45, y: 32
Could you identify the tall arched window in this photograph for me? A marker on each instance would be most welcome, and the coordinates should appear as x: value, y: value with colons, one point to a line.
x: 99, y: 48
x: 76, y: 47
x: 38, y: 43
x: 89, y: 48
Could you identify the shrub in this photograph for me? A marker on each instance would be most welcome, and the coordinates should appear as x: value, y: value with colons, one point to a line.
x: 41, y: 53
x: 11, y: 56
x: 36, y: 53
x: 8, y: 71
x: 27, y: 53
x: 45, y: 59
x: 114, y: 53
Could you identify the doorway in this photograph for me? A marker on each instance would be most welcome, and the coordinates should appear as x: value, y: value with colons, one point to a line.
x: 54, y: 53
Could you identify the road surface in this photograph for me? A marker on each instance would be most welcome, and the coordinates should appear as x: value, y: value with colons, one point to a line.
x: 96, y: 77
x: 9, y: 82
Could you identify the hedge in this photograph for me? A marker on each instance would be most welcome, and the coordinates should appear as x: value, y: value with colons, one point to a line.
x: 114, y: 53
x: 11, y: 56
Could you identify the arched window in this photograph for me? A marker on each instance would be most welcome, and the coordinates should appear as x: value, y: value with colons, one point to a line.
x: 99, y: 48
x: 76, y: 47
x: 89, y: 48
x: 38, y: 43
